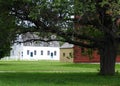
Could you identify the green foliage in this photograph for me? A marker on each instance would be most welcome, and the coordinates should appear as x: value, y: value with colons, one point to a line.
x: 87, y: 52
x: 7, y: 29
x: 90, y: 31
x: 82, y: 7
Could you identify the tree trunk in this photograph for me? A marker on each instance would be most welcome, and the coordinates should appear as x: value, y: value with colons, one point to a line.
x: 108, y: 57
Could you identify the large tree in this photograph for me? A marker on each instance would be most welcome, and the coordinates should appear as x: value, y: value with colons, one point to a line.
x: 88, y: 23
x: 100, y: 21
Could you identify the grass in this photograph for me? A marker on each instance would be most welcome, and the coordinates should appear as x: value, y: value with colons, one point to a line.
x: 46, y: 66
x: 52, y: 73
x: 57, y: 79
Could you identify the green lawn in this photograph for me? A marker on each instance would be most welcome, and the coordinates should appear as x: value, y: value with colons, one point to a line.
x: 52, y: 73
x: 46, y: 66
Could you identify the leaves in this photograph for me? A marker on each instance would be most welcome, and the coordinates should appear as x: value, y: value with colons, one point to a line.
x: 62, y: 18
x: 7, y: 28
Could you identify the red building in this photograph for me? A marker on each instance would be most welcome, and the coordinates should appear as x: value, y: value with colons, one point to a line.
x: 79, y: 57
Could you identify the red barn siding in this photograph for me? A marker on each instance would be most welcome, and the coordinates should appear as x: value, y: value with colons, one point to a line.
x: 78, y: 57
x: 118, y: 58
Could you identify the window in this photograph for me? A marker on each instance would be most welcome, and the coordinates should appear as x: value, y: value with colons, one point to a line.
x: 41, y: 52
x: 55, y: 53
x: 35, y: 52
x: 31, y: 54
x: 12, y: 52
x: 63, y: 54
x: 48, y: 52
x: 22, y: 54
x: 70, y: 54
x: 51, y: 55
x: 28, y: 52
x: 82, y: 50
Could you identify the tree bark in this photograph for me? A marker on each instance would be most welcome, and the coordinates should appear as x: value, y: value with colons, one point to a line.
x: 108, y: 55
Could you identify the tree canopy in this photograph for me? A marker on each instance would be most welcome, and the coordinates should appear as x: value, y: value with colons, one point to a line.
x: 7, y: 32
x: 88, y: 23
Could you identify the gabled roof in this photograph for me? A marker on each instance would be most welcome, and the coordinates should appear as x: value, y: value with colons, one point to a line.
x: 67, y: 45
x: 29, y: 36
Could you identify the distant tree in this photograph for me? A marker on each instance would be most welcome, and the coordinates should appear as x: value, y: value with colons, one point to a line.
x: 88, y: 23
x: 7, y: 30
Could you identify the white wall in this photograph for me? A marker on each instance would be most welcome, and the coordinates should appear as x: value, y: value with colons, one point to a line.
x: 15, y: 53
x: 28, y: 53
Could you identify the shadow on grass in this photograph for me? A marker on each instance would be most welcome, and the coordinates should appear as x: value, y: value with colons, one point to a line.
x: 58, y: 79
x: 4, y: 64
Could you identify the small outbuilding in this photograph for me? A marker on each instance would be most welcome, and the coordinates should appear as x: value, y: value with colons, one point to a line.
x: 66, y: 53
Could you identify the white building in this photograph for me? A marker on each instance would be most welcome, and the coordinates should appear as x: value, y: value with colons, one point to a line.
x: 34, y: 50
x: 34, y: 53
